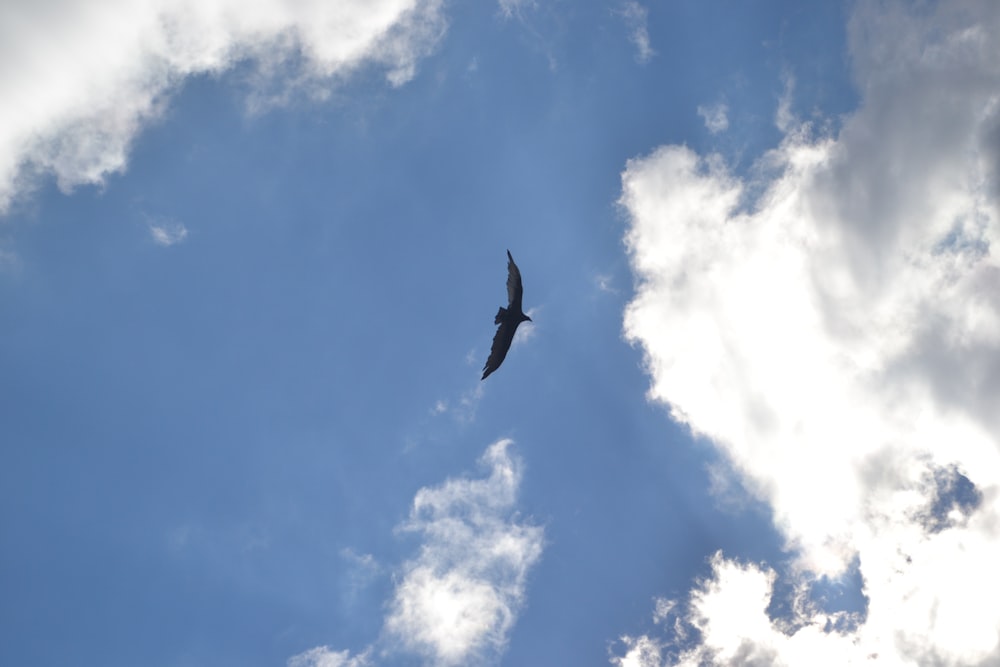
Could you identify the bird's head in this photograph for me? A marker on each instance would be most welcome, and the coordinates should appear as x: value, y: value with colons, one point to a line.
x: 525, y: 318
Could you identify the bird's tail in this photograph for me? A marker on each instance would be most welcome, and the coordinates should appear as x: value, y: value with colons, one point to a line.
x: 501, y: 314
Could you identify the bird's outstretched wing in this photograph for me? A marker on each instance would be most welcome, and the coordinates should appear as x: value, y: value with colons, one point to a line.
x: 507, y: 319
x: 514, y: 288
x: 501, y: 343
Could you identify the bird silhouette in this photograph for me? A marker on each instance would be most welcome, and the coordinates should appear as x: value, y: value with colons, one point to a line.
x: 508, y: 318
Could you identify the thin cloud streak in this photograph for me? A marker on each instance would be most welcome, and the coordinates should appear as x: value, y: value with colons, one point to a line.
x: 838, y: 341
x: 636, y: 18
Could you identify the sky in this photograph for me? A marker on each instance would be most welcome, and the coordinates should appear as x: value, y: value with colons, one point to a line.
x: 250, y: 254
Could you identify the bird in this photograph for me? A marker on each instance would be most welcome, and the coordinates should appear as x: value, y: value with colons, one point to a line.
x: 508, y: 318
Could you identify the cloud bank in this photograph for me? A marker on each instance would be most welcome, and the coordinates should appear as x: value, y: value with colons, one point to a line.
x: 80, y: 80
x: 456, y: 602
x: 834, y: 328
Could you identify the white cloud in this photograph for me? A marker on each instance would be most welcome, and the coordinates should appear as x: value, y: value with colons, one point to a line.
x: 839, y: 340
x: 167, y: 232
x: 785, y: 119
x: 468, y: 404
x: 459, y: 598
x: 363, y: 562
x: 456, y: 602
x: 728, y: 614
x: 643, y: 651
x: 511, y: 8
x: 527, y: 330
x: 462, y: 410
x: 605, y: 283
x: 636, y: 20
x: 324, y: 656
x: 715, y: 116
x: 358, y: 573
x: 81, y: 79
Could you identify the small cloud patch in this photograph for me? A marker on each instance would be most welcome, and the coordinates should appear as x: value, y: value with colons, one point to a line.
x: 716, y: 117
x: 167, y: 232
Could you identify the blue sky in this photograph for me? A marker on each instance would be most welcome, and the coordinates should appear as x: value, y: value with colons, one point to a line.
x: 249, y: 260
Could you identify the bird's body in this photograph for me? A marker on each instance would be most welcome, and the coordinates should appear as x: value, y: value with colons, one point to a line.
x: 507, y: 318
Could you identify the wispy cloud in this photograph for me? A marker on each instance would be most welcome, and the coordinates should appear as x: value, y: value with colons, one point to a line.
x: 636, y: 18
x: 360, y: 572
x: 727, y: 489
x: 9, y: 261
x: 605, y: 283
x: 80, y: 80
x: 839, y: 342
x: 456, y: 601
x: 462, y: 410
x: 511, y: 8
x: 324, y: 656
x: 167, y: 232
x: 784, y: 118
x: 716, y: 117
x: 468, y: 403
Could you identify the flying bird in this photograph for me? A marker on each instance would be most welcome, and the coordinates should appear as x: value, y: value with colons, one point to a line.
x: 508, y: 318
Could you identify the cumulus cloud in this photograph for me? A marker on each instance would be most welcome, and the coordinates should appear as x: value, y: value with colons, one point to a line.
x: 456, y: 602
x: 636, y: 19
x: 838, y: 337
x: 726, y: 621
x: 80, y: 80
x: 459, y: 598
